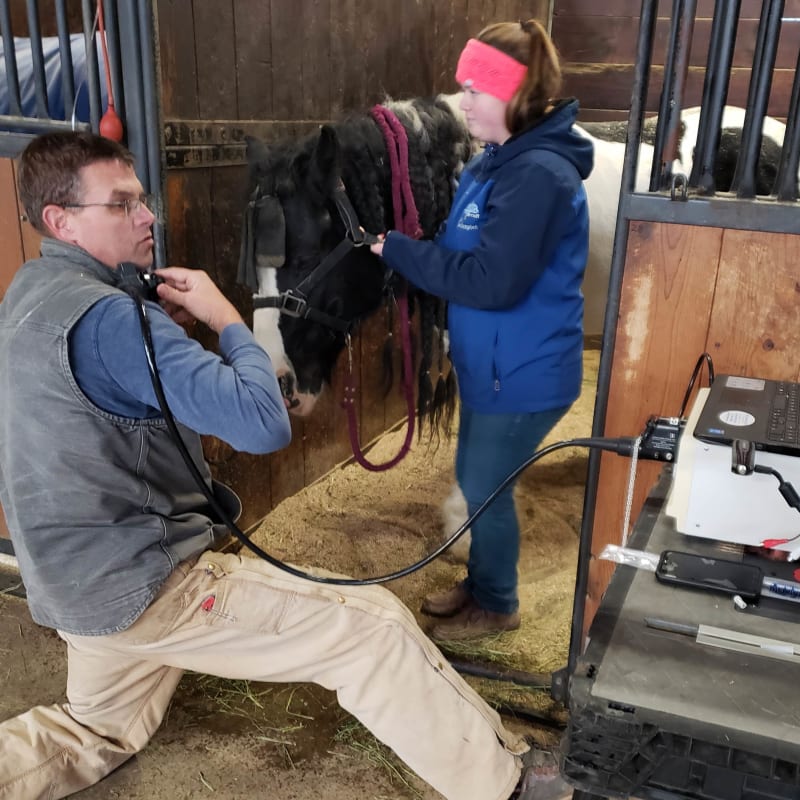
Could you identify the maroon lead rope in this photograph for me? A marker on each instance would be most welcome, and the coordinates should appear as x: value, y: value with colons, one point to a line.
x: 407, y: 221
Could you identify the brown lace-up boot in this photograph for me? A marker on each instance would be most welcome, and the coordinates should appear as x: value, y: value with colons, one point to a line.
x: 472, y: 622
x: 446, y: 604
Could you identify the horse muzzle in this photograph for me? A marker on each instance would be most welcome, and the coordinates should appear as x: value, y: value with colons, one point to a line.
x: 299, y: 403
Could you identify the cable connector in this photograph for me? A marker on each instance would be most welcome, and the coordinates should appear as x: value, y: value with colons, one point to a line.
x: 660, y: 438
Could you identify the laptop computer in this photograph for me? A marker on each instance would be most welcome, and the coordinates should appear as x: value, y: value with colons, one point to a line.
x: 765, y: 412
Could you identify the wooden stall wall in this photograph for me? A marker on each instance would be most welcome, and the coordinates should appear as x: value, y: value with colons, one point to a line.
x: 250, y: 67
x: 688, y: 290
x: 597, y: 43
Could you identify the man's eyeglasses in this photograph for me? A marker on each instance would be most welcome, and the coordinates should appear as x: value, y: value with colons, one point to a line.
x: 130, y: 204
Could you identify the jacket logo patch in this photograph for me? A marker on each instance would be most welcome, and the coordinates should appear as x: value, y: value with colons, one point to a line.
x: 469, y: 218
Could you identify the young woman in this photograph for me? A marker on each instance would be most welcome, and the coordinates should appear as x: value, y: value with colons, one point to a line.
x: 510, y: 261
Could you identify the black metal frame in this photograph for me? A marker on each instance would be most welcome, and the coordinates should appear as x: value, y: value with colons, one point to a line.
x: 700, y: 205
x: 131, y: 39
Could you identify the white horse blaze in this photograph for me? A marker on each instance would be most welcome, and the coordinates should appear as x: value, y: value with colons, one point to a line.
x: 268, y: 335
x: 265, y: 322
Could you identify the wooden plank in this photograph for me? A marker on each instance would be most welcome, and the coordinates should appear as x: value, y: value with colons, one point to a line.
x: 247, y: 474
x: 325, y: 440
x: 667, y: 292
x: 288, y: 57
x: 10, y: 233
x: 383, y: 66
x: 611, y: 85
x: 365, y: 71
x: 613, y: 40
x: 411, y: 43
x: 341, y: 27
x: 31, y: 238
x: 191, y: 144
x: 450, y: 27
x: 754, y: 326
x: 177, y: 59
x: 188, y: 205
x: 229, y: 193
x: 215, y: 57
x: 316, y: 61
x: 47, y: 21
x: 371, y: 338
x: 253, y: 40
x: 287, y: 467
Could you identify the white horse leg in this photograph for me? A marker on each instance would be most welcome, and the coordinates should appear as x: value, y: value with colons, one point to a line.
x: 454, y: 515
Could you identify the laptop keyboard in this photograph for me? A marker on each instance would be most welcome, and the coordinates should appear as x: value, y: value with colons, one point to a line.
x: 783, y: 416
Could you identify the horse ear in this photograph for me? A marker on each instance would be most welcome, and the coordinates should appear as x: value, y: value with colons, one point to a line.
x: 256, y: 151
x: 325, y: 169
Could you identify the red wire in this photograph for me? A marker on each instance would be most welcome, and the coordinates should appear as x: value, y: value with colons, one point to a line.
x: 102, y: 31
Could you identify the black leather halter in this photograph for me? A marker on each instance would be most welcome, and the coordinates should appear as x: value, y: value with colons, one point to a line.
x: 293, y: 302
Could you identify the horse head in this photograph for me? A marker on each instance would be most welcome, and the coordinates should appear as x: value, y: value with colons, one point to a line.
x: 293, y: 229
x: 302, y: 243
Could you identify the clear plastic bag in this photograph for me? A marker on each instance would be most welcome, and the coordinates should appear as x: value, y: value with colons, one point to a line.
x: 633, y: 558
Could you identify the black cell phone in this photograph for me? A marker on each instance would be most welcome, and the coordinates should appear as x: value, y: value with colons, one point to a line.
x: 712, y: 574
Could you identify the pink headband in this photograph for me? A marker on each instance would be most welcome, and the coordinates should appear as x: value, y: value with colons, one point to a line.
x: 489, y: 70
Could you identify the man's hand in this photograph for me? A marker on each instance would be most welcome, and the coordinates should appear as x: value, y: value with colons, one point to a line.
x: 192, y: 292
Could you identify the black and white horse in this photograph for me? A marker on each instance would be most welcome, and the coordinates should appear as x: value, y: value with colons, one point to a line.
x: 301, y: 253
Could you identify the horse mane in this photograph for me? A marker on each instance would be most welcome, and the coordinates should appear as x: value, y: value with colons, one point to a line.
x: 438, y: 147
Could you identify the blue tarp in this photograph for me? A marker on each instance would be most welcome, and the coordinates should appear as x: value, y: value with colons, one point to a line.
x: 53, y: 79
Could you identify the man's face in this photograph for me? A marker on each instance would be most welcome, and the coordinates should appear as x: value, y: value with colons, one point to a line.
x: 107, y: 232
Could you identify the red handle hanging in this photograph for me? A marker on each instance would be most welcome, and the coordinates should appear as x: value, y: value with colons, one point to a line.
x: 110, y: 123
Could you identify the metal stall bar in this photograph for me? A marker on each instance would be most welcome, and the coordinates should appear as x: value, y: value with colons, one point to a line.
x: 130, y: 52
x: 10, y: 56
x: 151, y: 124
x: 65, y: 52
x: 112, y: 38
x: 786, y: 186
x: 92, y: 73
x: 665, y: 149
x: 715, y: 92
x: 34, y: 126
x: 641, y: 81
x: 143, y: 113
x: 744, y: 177
x: 37, y: 60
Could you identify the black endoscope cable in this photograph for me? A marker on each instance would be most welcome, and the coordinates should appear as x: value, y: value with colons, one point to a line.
x: 622, y: 446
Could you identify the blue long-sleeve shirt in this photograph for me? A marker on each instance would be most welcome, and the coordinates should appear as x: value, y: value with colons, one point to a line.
x: 234, y: 396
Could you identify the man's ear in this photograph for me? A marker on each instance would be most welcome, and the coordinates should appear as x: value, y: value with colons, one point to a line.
x: 57, y: 221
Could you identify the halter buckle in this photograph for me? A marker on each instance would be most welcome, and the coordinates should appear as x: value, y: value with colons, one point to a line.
x: 360, y: 237
x: 293, y: 305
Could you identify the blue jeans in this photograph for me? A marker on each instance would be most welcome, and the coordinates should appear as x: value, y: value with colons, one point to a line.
x: 491, y: 447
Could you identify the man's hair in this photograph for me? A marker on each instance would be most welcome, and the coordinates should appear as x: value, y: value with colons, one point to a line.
x: 49, y: 169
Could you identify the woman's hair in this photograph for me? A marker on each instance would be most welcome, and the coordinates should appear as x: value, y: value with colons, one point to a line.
x: 528, y: 43
x: 49, y: 169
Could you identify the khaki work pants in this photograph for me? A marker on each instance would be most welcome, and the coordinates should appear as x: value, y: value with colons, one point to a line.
x: 242, y: 618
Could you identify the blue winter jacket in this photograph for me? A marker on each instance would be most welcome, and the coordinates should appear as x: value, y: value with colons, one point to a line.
x: 510, y: 260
